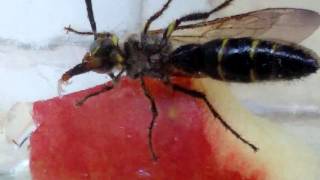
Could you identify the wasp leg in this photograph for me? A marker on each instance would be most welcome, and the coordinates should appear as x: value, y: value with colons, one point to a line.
x: 70, y: 29
x: 155, y: 16
x: 154, y: 116
x: 91, y: 18
x: 102, y: 90
x: 23, y: 141
x: 115, y: 80
x: 203, y: 97
x: 191, y: 17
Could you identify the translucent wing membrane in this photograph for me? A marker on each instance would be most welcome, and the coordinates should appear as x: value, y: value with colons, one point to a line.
x: 286, y: 24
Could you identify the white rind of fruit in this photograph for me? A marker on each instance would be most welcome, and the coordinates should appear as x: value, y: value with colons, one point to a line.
x: 283, y: 156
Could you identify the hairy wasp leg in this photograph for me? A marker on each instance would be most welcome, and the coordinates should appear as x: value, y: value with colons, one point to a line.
x: 70, y: 29
x: 155, y: 16
x: 102, y: 90
x: 91, y: 18
x: 191, y: 17
x: 154, y: 116
x: 203, y: 97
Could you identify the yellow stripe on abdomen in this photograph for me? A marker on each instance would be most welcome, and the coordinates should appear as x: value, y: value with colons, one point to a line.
x: 253, y: 48
x: 221, y: 50
x: 220, y: 56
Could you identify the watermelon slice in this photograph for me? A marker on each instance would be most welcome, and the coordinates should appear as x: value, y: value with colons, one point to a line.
x: 107, y: 137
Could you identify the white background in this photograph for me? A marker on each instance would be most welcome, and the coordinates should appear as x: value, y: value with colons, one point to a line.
x: 35, y: 50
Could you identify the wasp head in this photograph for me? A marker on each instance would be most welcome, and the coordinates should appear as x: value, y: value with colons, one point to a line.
x: 104, y: 56
x: 104, y: 53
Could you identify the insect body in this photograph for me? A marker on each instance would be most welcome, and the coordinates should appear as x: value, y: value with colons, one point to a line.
x: 245, y: 60
x: 229, y: 49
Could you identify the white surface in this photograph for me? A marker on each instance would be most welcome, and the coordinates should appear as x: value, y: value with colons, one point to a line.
x: 35, y: 51
x: 39, y: 21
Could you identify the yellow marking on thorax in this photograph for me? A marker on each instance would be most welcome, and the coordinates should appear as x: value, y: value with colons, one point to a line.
x: 253, y: 48
x: 115, y: 40
x: 171, y: 28
x: 94, y: 51
x: 119, y: 58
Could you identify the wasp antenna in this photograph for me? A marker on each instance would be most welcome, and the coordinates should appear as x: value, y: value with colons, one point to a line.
x: 192, y: 17
x: 91, y: 18
x: 70, y: 29
x: 155, y: 16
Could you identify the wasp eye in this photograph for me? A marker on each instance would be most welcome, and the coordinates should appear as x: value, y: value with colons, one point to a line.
x: 102, y: 47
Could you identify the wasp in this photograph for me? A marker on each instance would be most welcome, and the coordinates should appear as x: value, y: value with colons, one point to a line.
x: 255, y: 46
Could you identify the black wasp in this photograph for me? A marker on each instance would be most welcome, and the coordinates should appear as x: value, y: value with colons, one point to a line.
x: 243, y: 48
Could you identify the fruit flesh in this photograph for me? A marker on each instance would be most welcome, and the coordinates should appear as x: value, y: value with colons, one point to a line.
x: 107, y: 137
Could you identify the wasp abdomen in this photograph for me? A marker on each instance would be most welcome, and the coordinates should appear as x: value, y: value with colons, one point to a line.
x: 246, y: 60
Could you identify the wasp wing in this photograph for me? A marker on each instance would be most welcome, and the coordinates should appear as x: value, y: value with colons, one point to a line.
x: 286, y: 24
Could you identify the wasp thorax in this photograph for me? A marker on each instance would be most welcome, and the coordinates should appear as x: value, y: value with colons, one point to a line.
x: 153, y: 43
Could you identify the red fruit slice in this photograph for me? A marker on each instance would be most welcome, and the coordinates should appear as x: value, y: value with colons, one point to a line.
x: 107, y: 138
